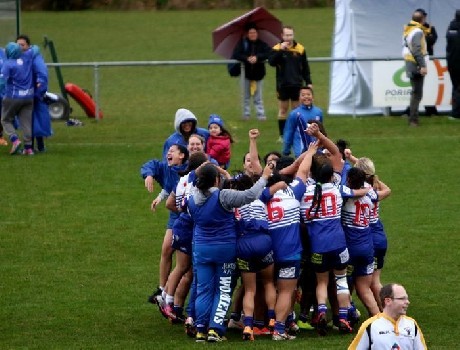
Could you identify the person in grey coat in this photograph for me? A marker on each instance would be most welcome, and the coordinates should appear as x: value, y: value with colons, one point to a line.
x: 415, y: 55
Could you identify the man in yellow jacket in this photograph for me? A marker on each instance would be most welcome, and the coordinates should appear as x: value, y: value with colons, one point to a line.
x: 416, y: 57
x: 390, y: 329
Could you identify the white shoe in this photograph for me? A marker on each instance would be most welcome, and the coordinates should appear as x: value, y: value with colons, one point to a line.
x: 232, y: 324
x: 282, y: 336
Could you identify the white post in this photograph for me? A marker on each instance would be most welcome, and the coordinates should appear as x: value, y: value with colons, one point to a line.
x: 96, y: 91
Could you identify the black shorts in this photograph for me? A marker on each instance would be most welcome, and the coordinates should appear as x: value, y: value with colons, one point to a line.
x: 255, y: 264
x: 336, y: 259
x: 288, y: 93
x: 379, y: 258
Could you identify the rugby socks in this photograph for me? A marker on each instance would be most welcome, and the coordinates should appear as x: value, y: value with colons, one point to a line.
x: 270, y: 314
x: 343, y: 313
x: 249, y: 321
x: 13, y: 138
x: 322, y: 308
x: 280, y: 327
x: 352, y: 309
x: 281, y: 124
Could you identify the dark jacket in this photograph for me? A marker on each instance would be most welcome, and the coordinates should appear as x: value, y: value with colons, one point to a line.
x: 431, y: 37
x: 292, y: 67
x: 246, y: 48
x: 453, y: 45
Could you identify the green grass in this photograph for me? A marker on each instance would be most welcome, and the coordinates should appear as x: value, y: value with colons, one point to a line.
x: 79, y: 247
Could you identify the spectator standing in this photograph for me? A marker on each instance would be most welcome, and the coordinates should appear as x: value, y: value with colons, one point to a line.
x: 453, y: 62
x: 292, y: 72
x: 41, y: 120
x: 431, y: 36
x: 18, y: 100
x: 253, y: 52
x: 416, y: 57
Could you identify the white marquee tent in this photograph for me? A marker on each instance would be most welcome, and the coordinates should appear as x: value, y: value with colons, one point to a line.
x: 373, y: 29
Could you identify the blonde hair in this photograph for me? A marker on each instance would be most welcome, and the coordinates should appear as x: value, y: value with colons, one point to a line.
x: 367, y: 165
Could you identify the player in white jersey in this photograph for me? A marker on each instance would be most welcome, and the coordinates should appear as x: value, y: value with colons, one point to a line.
x: 254, y: 253
x: 390, y: 329
x: 283, y: 225
x: 356, y: 215
x: 378, y: 232
x: 321, y: 210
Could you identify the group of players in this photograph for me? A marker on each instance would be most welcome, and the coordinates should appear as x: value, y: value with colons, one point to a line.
x: 304, y: 229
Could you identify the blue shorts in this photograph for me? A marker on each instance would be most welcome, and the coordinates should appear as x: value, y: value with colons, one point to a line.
x: 287, y: 270
x: 172, y: 217
x: 182, y: 236
x: 253, y: 246
x: 379, y: 258
x: 361, y: 265
x: 334, y: 260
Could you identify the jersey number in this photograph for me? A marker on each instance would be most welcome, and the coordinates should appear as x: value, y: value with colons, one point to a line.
x: 362, y: 213
x: 275, y: 213
x: 328, y: 207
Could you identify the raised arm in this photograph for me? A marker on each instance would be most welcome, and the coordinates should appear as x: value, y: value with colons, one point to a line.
x: 304, y: 167
x: 336, y: 156
x: 253, y: 152
x: 350, y: 157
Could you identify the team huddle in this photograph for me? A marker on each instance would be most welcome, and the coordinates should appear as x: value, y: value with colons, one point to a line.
x: 303, y: 229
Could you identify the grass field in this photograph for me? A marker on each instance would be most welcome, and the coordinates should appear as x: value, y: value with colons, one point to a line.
x: 79, y: 247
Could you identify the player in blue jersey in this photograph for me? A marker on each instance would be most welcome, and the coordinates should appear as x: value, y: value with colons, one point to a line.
x: 283, y: 225
x: 166, y: 174
x: 214, y: 247
x: 321, y: 210
x: 379, y: 237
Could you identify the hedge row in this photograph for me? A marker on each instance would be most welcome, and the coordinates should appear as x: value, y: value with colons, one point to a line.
x: 78, y: 5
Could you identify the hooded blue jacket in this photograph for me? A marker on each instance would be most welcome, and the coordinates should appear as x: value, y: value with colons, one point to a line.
x: 183, y: 115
